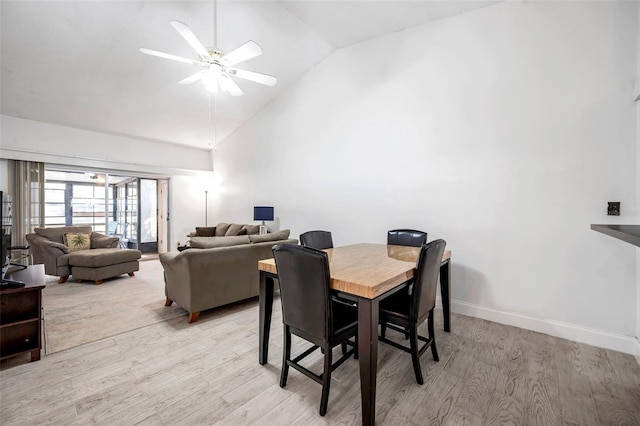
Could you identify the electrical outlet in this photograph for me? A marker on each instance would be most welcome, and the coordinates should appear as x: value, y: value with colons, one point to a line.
x: 614, y: 208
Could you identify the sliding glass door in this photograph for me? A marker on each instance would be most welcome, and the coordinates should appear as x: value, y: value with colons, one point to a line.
x: 137, y: 206
x: 122, y: 206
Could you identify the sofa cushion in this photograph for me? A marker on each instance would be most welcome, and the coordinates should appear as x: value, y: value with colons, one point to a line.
x: 233, y: 230
x: 205, y: 232
x: 252, y: 229
x: 209, y: 242
x: 77, y: 241
x: 221, y: 229
x: 98, y: 258
x: 276, y: 236
x: 102, y: 241
x: 56, y: 234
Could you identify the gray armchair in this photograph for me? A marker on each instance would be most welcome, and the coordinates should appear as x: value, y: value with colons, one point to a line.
x: 102, y: 260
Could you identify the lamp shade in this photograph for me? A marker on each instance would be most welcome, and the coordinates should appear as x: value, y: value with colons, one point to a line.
x: 262, y: 213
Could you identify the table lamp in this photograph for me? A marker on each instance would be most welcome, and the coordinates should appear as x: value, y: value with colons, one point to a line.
x: 263, y: 213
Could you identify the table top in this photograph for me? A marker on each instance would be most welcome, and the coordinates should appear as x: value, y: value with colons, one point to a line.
x: 32, y: 276
x: 367, y: 270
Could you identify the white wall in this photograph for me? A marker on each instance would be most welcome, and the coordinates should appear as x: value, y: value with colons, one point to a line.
x: 187, y: 206
x: 636, y: 93
x: 188, y: 168
x: 504, y: 131
x: 4, y: 175
x: 22, y: 139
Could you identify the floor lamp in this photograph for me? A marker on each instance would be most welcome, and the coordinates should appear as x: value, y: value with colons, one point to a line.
x: 206, y: 207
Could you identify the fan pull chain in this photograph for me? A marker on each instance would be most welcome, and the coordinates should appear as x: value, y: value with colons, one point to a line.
x: 212, y: 142
x: 215, y: 121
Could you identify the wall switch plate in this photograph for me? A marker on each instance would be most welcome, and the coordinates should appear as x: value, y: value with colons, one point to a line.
x: 614, y: 208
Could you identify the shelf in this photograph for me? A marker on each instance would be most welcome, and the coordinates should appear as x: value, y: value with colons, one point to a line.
x: 628, y: 233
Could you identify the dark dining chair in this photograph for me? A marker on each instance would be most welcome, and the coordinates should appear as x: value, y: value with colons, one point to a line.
x: 406, y: 237
x: 317, y: 239
x: 406, y: 311
x: 309, y: 312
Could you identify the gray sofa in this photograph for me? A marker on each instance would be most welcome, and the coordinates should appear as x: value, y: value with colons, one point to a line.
x: 217, y: 271
x: 102, y: 260
x: 223, y: 229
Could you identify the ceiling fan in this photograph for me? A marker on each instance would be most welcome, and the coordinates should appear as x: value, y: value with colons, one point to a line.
x: 217, y: 66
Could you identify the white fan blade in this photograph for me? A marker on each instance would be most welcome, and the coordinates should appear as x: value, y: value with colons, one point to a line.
x: 256, y: 77
x: 192, y: 78
x: 228, y: 85
x: 168, y: 56
x: 188, y: 35
x: 243, y: 53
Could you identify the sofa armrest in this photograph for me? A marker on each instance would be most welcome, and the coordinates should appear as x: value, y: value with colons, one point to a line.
x: 49, y: 246
x: 176, y: 276
x: 46, y: 252
x: 99, y: 240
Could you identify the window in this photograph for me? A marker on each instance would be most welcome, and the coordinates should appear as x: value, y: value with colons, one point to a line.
x: 69, y: 201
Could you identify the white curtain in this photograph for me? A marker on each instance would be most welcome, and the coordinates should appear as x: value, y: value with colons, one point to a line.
x: 26, y: 185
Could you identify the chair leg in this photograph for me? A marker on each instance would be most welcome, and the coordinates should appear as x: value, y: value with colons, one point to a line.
x: 286, y: 355
x: 383, y: 329
x: 432, y: 336
x: 355, y: 352
x: 344, y: 348
x: 326, y: 381
x: 415, y: 356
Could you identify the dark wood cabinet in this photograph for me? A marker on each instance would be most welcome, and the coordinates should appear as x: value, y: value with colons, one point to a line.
x: 21, y: 314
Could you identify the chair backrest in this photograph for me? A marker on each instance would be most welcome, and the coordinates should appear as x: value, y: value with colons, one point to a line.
x: 304, y: 278
x: 426, y: 279
x: 406, y: 237
x: 317, y: 239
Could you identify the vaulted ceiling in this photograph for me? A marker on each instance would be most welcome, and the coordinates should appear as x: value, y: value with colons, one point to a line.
x: 78, y: 64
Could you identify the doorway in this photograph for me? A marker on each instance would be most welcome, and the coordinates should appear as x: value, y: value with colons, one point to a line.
x: 133, y: 208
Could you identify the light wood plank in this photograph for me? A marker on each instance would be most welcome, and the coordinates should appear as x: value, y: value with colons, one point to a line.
x: 172, y: 373
x: 366, y: 270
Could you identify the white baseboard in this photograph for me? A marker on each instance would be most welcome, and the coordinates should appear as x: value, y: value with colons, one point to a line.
x: 603, y: 339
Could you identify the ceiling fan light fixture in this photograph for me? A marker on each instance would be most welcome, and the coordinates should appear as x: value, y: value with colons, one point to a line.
x: 213, y: 87
x: 224, y: 85
x: 208, y: 78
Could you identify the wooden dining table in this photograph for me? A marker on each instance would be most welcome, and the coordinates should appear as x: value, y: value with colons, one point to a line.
x: 366, y: 273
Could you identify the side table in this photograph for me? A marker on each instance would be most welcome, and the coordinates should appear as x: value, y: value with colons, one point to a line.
x: 21, y: 314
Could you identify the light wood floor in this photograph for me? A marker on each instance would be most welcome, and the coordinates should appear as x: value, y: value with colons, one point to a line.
x: 174, y: 373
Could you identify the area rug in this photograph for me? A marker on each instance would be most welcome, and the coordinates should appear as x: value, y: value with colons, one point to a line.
x: 79, y: 313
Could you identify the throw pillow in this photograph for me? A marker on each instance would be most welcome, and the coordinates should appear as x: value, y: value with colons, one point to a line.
x: 243, y: 231
x: 252, y: 229
x: 77, y: 241
x: 276, y: 236
x: 233, y: 230
x: 221, y: 229
x: 205, y: 232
